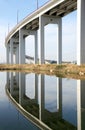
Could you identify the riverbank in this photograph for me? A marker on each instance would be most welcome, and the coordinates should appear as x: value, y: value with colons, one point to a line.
x: 62, y: 70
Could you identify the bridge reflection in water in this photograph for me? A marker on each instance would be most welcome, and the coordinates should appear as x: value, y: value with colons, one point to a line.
x: 33, y: 106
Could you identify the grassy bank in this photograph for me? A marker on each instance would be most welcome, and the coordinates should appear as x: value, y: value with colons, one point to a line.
x: 63, y: 70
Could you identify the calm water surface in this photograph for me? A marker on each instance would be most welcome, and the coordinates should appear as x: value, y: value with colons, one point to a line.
x: 10, y: 117
x: 47, y: 101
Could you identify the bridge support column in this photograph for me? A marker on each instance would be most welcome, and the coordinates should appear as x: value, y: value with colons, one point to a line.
x: 44, y: 20
x: 41, y: 26
x: 7, y: 53
x: 81, y: 32
x: 34, y: 33
x: 11, y: 50
x: 36, y: 48
x: 59, y: 48
x: 17, y: 54
x: 21, y: 47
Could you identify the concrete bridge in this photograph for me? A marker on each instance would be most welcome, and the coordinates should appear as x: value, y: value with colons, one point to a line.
x: 51, y: 12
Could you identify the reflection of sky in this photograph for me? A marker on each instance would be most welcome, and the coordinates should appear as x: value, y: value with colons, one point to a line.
x: 30, y: 86
x: 51, y: 93
x: 69, y: 98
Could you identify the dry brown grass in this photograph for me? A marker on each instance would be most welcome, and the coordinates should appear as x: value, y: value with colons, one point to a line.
x: 62, y: 70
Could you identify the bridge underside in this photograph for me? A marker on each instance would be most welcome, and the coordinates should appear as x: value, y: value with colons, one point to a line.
x: 50, y: 15
x: 60, y: 10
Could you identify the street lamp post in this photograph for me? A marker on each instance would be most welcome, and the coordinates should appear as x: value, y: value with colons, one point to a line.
x: 8, y: 27
x: 17, y: 16
x: 37, y: 4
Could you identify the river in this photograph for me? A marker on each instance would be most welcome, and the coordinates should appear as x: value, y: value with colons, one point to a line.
x: 34, y: 102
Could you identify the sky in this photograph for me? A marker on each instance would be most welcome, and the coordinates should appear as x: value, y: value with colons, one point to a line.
x: 9, y: 9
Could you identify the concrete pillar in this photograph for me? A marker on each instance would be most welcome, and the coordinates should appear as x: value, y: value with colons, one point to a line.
x: 11, y: 51
x: 59, y: 48
x: 21, y: 47
x: 80, y: 32
x: 7, y: 53
x: 41, y: 27
x: 35, y: 33
x: 36, y: 48
x: 44, y: 20
x: 17, y: 54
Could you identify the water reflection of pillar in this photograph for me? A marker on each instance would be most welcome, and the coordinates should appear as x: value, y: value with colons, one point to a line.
x: 81, y: 105
x: 59, y: 96
x: 21, y: 88
x: 42, y: 97
x: 36, y: 88
x: 7, y: 78
x: 11, y: 83
x: 17, y: 78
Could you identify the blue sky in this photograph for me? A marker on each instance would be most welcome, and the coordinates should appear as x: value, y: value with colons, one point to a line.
x: 8, y: 17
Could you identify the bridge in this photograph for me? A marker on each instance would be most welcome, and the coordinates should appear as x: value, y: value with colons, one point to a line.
x: 51, y: 12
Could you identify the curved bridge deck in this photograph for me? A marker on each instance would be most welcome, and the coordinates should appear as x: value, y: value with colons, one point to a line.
x: 58, y: 8
x: 51, y: 12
